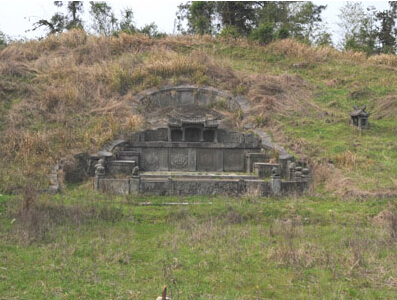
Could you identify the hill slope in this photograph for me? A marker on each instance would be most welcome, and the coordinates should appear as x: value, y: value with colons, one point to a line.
x: 71, y: 93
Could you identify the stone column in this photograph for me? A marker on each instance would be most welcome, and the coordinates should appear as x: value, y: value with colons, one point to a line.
x: 135, y: 185
x: 298, y: 174
x: 183, y: 134
x: 170, y: 186
x: 275, y: 182
x: 305, y: 174
x: 99, y: 173
x: 216, y: 135
x: 202, y: 135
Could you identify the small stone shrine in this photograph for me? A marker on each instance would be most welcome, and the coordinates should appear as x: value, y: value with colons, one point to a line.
x: 360, y: 116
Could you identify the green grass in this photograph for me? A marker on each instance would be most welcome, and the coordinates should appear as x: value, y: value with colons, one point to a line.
x: 216, y: 248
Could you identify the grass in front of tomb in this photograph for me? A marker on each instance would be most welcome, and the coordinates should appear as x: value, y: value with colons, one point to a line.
x: 83, y: 245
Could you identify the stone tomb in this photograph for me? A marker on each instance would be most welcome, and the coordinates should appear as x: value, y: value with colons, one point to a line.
x: 191, y: 144
x: 191, y: 156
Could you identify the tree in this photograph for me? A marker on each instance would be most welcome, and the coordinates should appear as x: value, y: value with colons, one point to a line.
x: 104, y: 20
x: 3, y: 40
x: 60, y: 22
x: 127, y: 23
x: 303, y: 20
x: 200, y: 17
x: 151, y: 30
x: 238, y: 14
x: 289, y: 18
x: 387, y: 32
x: 351, y: 20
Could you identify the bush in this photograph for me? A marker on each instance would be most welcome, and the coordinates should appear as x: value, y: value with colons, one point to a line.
x: 264, y: 33
x: 230, y: 32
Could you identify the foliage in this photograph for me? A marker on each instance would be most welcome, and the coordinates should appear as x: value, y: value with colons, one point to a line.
x: 104, y: 20
x: 151, y: 30
x: 297, y: 19
x: 60, y: 22
x: 126, y: 22
x: 388, y: 32
x: 230, y: 32
x: 3, y: 40
x: 264, y: 34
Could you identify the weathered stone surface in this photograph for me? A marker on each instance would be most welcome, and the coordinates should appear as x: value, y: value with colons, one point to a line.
x: 209, y: 160
x: 114, y: 186
x: 254, y: 158
x: 178, y: 159
x: 121, y: 166
x: 233, y: 160
x: 264, y: 169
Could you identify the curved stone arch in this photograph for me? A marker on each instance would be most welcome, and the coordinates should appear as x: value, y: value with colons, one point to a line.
x: 188, y: 95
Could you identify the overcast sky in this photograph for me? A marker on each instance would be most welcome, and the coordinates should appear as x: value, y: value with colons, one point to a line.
x: 16, y: 17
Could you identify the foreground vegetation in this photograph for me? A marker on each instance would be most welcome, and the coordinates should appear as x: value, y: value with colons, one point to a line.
x: 86, y: 246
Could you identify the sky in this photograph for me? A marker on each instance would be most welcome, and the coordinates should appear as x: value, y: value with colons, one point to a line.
x: 17, y: 17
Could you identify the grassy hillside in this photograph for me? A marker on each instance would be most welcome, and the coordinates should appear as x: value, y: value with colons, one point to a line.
x: 71, y: 93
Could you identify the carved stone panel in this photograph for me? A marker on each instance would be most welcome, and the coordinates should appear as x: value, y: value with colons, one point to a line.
x: 209, y: 160
x: 225, y: 136
x: 162, y: 134
x: 178, y: 159
x: 150, y: 135
x: 154, y: 159
x: 251, y: 141
x: 233, y: 160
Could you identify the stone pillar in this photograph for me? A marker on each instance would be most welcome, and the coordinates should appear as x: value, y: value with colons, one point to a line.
x: 99, y: 173
x: 298, y: 174
x: 291, y: 171
x: 135, y: 185
x: 275, y: 182
x: 170, y: 186
x: 283, y: 161
x: 216, y: 135
x: 183, y: 134
x: 201, y: 135
x: 169, y: 134
x: 305, y: 174
x: 97, y: 180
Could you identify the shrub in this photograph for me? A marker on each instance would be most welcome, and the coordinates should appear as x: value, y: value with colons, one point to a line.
x: 263, y: 34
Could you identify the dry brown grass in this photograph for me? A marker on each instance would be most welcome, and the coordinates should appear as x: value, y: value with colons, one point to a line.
x: 386, y: 107
x: 71, y: 93
x: 384, y: 59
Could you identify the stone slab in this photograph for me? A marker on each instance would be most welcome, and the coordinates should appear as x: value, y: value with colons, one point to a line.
x: 209, y: 160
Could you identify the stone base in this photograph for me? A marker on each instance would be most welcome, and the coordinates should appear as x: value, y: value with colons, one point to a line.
x: 200, y: 185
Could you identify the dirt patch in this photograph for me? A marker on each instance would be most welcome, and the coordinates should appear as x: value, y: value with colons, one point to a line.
x: 383, y: 219
x: 279, y: 94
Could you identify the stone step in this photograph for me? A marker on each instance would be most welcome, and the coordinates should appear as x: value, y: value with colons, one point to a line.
x: 197, y: 176
x: 128, y: 155
x: 121, y: 166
